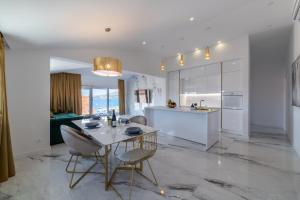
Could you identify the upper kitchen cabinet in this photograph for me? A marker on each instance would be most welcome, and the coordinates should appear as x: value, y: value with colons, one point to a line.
x: 232, y: 77
x: 213, y: 78
x: 201, y: 80
x: 192, y: 81
x: 173, y: 86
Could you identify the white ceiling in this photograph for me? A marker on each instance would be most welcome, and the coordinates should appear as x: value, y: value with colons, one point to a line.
x: 163, y: 24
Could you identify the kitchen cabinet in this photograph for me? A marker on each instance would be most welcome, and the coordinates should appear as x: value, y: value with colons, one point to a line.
x: 201, y: 80
x: 232, y: 80
x: 232, y: 121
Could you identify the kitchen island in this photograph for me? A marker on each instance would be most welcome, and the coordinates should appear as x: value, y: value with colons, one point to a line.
x: 201, y: 126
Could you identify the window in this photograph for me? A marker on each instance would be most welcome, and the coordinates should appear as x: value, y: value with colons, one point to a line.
x: 113, y: 100
x: 85, y: 99
x: 99, y: 101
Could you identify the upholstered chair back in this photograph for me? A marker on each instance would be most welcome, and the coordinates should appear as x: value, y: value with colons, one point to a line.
x: 139, y: 120
x: 78, y: 143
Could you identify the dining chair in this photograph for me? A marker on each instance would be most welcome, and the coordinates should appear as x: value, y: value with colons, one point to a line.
x: 80, y: 146
x: 135, y: 156
x: 136, y: 119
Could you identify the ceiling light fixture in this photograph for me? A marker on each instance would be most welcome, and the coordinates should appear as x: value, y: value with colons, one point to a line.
x: 107, y: 66
x: 219, y: 42
x: 162, y: 66
x: 192, y: 19
x: 197, y: 51
x: 207, y: 55
x: 181, y: 60
x: 144, y: 42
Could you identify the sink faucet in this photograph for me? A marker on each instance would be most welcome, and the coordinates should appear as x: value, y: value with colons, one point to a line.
x: 201, y: 103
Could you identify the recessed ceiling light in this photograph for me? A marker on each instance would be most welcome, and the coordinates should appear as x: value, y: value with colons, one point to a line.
x: 107, y: 29
x: 144, y: 43
x: 219, y: 42
x: 192, y: 19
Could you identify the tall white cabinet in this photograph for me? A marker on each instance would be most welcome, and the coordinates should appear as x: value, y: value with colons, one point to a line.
x: 232, y: 97
x: 232, y: 76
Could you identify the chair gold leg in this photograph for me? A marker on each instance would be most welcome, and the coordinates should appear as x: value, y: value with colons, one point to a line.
x: 156, y: 183
x: 131, y: 181
x: 69, y: 164
x: 98, y: 158
x: 72, y: 176
x: 71, y: 184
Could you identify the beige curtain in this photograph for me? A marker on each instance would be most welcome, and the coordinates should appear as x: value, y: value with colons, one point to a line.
x: 7, y: 167
x: 66, y: 93
x: 121, y: 86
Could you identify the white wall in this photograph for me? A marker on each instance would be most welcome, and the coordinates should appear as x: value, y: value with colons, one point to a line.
x: 230, y: 50
x: 156, y: 84
x: 28, y: 89
x: 268, y: 97
x: 269, y: 60
x: 294, y: 112
x: 28, y: 86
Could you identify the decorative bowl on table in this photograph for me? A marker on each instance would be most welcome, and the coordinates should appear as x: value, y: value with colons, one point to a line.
x: 92, y: 124
x: 96, y: 117
x: 133, y: 131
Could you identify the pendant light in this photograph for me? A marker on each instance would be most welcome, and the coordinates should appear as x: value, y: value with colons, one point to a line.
x: 162, y: 66
x: 107, y: 66
x: 181, y: 60
x: 207, y: 55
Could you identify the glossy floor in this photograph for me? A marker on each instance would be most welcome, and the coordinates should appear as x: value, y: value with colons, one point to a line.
x: 264, y: 168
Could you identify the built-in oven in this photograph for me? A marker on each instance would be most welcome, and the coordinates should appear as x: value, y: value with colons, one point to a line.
x: 232, y: 100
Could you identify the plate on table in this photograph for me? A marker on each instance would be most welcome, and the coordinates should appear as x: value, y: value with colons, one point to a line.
x: 96, y: 117
x: 91, y: 125
x: 133, y: 131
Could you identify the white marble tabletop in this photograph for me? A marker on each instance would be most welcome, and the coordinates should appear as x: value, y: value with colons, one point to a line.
x: 107, y: 135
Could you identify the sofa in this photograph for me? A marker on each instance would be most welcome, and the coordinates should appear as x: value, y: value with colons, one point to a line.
x: 56, y: 121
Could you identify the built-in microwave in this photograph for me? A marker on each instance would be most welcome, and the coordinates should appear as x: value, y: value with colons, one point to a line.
x: 232, y: 100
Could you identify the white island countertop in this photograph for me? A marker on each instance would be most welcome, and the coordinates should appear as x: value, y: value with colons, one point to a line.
x: 183, y: 109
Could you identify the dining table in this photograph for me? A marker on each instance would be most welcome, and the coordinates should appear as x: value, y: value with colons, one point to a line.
x: 106, y: 136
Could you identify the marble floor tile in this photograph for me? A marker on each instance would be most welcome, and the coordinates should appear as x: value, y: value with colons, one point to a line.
x: 263, y: 168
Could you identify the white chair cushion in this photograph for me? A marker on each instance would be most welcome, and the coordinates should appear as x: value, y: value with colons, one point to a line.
x: 135, y: 155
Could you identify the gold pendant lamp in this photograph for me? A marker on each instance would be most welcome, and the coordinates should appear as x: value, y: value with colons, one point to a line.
x: 181, y: 60
x: 162, y: 66
x: 107, y: 66
x: 207, y: 55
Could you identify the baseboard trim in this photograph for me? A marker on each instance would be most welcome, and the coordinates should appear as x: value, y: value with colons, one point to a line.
x: 235, y: 136
x: 37, y: 151
x: 266, y: 129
